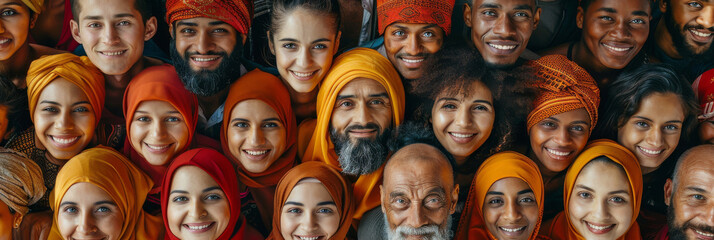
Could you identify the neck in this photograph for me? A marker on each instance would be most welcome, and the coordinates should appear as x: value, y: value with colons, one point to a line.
x: 48, y: 155
x: 548, y: 175
x: 664, y: 40
x: 115, y: 85
x: 17, y: 65
x: 586, y: 59
x: 209, y: 104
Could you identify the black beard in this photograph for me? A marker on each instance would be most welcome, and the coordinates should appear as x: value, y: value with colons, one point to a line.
x: 677, y: 34
x: 677, y: 232
x: 207, y: 82
x: 363, y: 157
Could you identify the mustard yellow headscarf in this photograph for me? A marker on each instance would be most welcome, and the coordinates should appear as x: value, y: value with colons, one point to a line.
x: 356, y: 63
x: 77, y: 70
x: 34, y: 5
x: 124, y: 182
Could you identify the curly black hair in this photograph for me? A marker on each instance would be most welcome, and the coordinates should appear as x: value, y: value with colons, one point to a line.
x: 15, y: 100
x: 411, y: 132
x: 452, y: 71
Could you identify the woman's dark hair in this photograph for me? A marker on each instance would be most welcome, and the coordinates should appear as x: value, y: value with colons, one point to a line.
x: 626, y: 93
x: 452, y: 71
x: 283, y: 8
x: 15, y: 100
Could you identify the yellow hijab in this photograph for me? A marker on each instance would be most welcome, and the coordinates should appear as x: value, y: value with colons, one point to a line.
x: 356, y: 63
x: 124, y: 182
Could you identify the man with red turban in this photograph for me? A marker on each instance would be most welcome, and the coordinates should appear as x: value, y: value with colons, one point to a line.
x: 411, y: 31
x: 207, y: 39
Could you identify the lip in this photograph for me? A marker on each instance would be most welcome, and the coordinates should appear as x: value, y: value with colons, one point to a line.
x: 157, y: 149
x: 308, y: 237
x: 205, y: 61
x: 598, y: 228
x: 88, y: 238
x: 255, y: 154
x: 462, y: 137
x: 112, y: 53
x: 303, y: 76
x: 63, y: 141
x: 512, y: 231
x: 699, y: 36
x: 198, y: 227
x: 412, y: 62
x: 702, y: 235
x: 561, y: 154
x: 617, y: 49
x: 4, y: 42
x: 503, y: 47
x: 650, y: 152
x: 363, y: 133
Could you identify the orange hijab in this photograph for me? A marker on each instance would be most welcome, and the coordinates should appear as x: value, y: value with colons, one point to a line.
x: 561, y: 228
x: 124, y: 182
x: 499, y: 166
x: 268, y: 88
x: 160, y: 83
x: 331, y: 178
x: 356, y: 63
x: 77, y: 70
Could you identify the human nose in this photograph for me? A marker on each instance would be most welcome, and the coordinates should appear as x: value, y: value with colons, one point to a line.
x: 706, y: 17
x: 504, y: 27
x: 416, y: 217
x: 86, y: 223
x: 110, y: 35
x: 205, y: 43
x: 256, y: 136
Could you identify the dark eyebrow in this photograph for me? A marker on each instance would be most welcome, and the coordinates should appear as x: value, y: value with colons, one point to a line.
x: 13, y: 3
x: 640, y: 13
x: 326, y: 203
x: 178, y: 191
x: 212, y: 188
x: 606, y: 9
x: 619, y: 191
x: 494, y: 193
x: 643, y: 118
x: 697, y: 189
x: 184, y: 23
x: 581, y: 122
x: 396, y: 194
x: 56, y: 103
x: 105, y: 202
x: 294, y: 203
x: 214, y: 23
x: 384, y: 95
x: 483, y: 101
x: 121, y: 15
x: 67, y: 203
x: 340, y: 97
x: 239, y: 119
x: 438, y: 190
x: 145, y: 112
x: 524, y: 7
x: 525, y: 191
x: 584, y: 187
x: 271, y: 119
x: 295, y: 40
x: 489, y: 5
x: 554, y: 119
x: 674, y: 121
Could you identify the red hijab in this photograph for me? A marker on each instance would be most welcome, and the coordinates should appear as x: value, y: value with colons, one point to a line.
x: 222, y: 171
x: 158, y: 83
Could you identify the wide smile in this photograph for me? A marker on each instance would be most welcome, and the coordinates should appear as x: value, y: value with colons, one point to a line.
x: 502, y: 47
x: 63, y: 141
x: 700, y: 234
x: 512, y: 230
x: 598, y: 228
x: 700, y: 35
x: 302, y: 76
x: 363, y: 133
x: 157, y: 148
x: 112, y: 53
x: 308, y: 237
x: 412, y: 62
x: 205, y: 61
x: 650, y: 152
x: 256, y: 154
x: 619, y: 49
x: 558, y: 153
x: 198, y: 227
x: 4, y: 41
x: 461, y: 137
x: 88, y: 238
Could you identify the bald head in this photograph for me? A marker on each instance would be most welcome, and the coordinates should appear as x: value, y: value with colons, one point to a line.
x: 418, y: 155
x: 699, y: 157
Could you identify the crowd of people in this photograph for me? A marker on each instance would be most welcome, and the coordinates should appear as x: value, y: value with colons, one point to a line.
x: 346, y: 119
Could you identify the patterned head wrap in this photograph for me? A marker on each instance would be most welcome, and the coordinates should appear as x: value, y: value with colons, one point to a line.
x: 564, y: 86
x: 21, y: 182
x: 77, y: 70
x: 415, y: 11
x: 704, y: 91
x: 237, y: 13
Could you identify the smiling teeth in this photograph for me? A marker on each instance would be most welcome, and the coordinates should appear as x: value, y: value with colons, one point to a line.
x: 459, y: 135
x: 198, y: 227
x: 599, y: 228
x: 113, y: 53
x: 157, y: 147
x: 502, y: 47
x: 65, y: 140
x: 204, y: 59
x: 558, y: 153
x: 309, y: 238
x: 412, y: 60
x: 4, y: 41
x: 303, y: 74
x: 650, y: 151
x: 701, y: 34
x: 513, y: 229
x: 256, y: 153
x: 617, y: 49
x: 704, y: 234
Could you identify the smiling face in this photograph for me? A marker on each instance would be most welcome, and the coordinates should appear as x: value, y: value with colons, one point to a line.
x: 510, y: 209
x: 15, y: 20
x: 112, y: 35
x: 557, y: 140
x: 463, y: 123
x: 198, y: 207
x: 89, y: 212
x: 309, y: 213
x: 500, y: 30
x: 256, y: 136
x: 304, y: 47
x: 614, y: 31
x: 690, y: 24
x: 600, y: 205
x: 408, y: 44
x: 363, y: 110
x: 158, y: 132
x: 64, y: 119
x: 653, y: 132
x: 204, y: 42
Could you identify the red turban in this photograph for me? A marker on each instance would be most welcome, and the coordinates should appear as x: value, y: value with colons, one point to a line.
x: 237, y: 13
x: 415, y: 11
x: 704, y: 90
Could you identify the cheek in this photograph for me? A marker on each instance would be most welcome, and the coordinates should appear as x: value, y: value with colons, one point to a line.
x: 330, y: 224
x: 288, y: 225
x: 137, y: 134
x: 180, y: 133
x: 440, y: 121
x: 111, y: 225
x: 485, y: 122
x: 672, y: 140
x: 434, y: 46
x: 235, y: 141
x: 65, y: 225
x: 175, y: 214
x: 628, y: 137
x: 283, y: 58
x: 279, y: 141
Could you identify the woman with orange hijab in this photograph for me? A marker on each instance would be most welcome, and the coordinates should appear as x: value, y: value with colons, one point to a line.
x: 316, y: 195
x: 259, y: 134
x: 161, y: 117
x: 603, y: 190
x: 104, y: 183
x: 504, y: 182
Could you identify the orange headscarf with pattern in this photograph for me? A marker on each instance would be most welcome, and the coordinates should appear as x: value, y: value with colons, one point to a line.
x: 237, y: 13
x: 564, y: 87
x: 125, y: 183
x: 333, y: 181
x: 561, y: 227
x: 499, y: 166
x: 77, y: 70
x: 356, y: 63
x: 415, y: 11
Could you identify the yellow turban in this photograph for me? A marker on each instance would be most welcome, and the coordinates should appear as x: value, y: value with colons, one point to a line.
x: 125, y: 183
x: 34, y: 5
x: 356, y: 63
x: 77, y: 70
